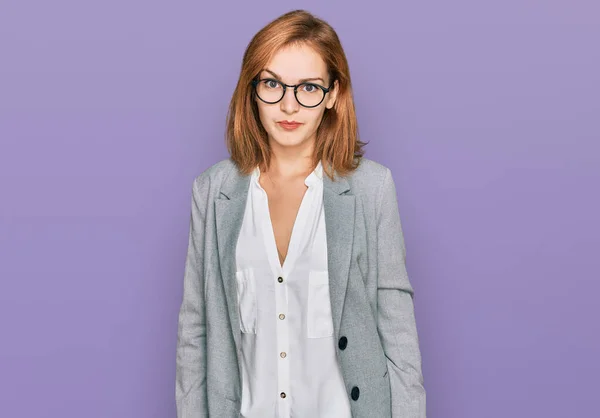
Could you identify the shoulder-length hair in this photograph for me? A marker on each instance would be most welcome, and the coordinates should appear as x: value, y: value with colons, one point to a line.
x: 337, y: 144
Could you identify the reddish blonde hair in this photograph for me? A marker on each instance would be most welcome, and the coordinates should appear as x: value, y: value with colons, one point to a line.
x: 337, y: 145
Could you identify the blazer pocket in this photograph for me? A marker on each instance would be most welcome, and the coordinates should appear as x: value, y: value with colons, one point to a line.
x: 246, y: 297
x: 319, y: 323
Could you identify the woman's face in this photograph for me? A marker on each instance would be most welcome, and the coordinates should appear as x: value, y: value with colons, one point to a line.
x: 294, y: 65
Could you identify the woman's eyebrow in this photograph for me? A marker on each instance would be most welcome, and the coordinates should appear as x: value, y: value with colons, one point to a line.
x: 300, y: 81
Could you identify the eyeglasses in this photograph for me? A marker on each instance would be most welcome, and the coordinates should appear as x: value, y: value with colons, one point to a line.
x: 271, y: 91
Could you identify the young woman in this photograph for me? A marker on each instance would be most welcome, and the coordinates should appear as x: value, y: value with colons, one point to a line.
x: 296, y: 298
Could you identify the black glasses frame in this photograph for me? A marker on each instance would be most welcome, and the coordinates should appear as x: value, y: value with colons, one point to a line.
x: 295, y: 86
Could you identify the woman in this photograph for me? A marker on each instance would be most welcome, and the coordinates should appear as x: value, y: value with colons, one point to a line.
x: 296, y: 299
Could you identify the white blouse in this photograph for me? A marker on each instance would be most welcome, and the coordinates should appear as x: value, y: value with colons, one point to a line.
x: 289, y: 364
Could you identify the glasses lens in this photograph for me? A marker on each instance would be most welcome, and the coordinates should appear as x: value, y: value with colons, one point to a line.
x: 269, y: 90
x: 309, y: 94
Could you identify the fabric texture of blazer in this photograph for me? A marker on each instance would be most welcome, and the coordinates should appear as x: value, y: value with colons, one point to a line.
x: 371, y: 296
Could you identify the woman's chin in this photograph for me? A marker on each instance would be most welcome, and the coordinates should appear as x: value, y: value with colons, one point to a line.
x: 289, y: 140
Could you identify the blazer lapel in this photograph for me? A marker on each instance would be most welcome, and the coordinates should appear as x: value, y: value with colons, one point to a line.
x: 229, y: 212
x: 339, y: 226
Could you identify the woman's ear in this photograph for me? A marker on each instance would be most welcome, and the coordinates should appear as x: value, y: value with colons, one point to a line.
x: 332, y: 95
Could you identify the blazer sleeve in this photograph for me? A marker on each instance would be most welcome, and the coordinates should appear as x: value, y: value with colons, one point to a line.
x: 190, y: 388
x: 396, y: 318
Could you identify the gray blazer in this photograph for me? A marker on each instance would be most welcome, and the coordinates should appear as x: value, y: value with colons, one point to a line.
x: 371, y: 296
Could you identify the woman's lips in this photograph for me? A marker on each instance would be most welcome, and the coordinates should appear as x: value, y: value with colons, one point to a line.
x: 289, y: 126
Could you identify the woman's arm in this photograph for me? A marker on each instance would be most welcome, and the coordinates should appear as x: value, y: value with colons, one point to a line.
x: 190, y: 392
x: 396, y: 319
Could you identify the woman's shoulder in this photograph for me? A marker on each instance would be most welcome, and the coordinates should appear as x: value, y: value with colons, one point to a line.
x: 374, y: 185
x: 216, y: 172
x: 369, y: 169
x: 368, y: 178
x: 212, y: 177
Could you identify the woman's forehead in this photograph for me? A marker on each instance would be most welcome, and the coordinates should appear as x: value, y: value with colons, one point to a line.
x: 294, y: 64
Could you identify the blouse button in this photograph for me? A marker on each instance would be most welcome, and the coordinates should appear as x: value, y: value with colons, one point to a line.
x: 282, y: 354
x: 280, y: 279
x: 282, y: 394
x: 281, y: 316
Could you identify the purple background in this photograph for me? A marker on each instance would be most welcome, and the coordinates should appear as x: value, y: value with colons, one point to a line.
x: 487, y: 114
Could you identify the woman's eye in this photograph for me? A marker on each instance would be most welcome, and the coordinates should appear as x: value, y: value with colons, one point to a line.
x: 272, y: 84
x: 310, y: 88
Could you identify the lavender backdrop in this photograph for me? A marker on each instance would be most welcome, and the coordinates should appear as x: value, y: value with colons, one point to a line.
x: 488, y: 115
